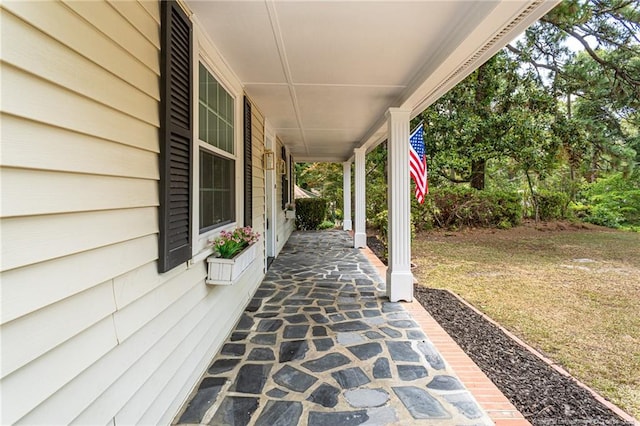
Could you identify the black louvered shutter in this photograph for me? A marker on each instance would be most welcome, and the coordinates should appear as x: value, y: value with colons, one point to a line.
x: 176, y: 123
x: 248, y: 166
x: 285, y: 184
x: 291, y: 180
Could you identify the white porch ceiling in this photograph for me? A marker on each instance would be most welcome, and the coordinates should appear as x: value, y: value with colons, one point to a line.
x: 325, y: 72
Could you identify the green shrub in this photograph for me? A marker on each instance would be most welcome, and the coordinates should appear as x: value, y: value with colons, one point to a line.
x: 552, y: 204
x: 327, y: 224
x: 310, y: 212
x: 612, y: 201
x: 457, y: 207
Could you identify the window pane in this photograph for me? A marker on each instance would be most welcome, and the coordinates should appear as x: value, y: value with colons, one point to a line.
x: 217, y: 201
x: 215, y: 112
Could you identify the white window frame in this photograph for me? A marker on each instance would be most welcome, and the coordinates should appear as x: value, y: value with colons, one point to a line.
x: 206, y: 53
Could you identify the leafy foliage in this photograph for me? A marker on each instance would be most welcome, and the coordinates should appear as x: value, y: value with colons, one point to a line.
x: 612, y: 201
x: 327, y: 224
x: 552, y: 204
x: 310, y: 212
x: 455, y: 207
x: 228, y: 244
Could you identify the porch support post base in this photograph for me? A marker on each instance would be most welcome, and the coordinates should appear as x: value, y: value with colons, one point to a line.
x: 347, y: 225
x: 360, y: 240
x: 399, y: 276
x: 399, y: 286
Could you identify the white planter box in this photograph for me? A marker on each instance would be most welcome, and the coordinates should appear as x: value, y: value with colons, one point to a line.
x: 290, y: 214
x: 228, y: 271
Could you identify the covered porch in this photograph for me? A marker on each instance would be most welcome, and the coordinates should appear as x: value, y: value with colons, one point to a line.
x: 336, y: 79
x: 320, y: 344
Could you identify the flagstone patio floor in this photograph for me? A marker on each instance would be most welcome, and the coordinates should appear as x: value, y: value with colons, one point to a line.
x: 319, y: 344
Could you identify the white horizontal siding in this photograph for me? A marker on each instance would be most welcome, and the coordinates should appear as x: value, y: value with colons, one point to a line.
x: 144, y: 16
x: 132, y: 285
x: 25, y: 290
x: 28, y: 240
x: 62, y: 24
x: 88, y: 388
x: 152, y: 7
x: 28, y: 192
x: 45, y: 328
x: 106, y: 19
x: 34, y: 145
x: 92, y: 334
x: 29, y: 45
x: 132, y: 317
x: 31, y: 385
x: 26, y: 95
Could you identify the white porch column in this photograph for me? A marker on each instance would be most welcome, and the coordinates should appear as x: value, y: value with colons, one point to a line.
x: 346, y: 190
x: 360, y: 236
x: 399, y: 275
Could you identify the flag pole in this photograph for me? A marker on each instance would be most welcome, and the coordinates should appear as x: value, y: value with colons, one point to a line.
x: 416, y: 128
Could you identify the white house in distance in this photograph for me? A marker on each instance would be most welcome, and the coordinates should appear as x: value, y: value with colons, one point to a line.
x: 135, y: 131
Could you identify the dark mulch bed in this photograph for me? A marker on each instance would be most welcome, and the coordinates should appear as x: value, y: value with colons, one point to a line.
x: 377, y: 247
x: 543, y: 395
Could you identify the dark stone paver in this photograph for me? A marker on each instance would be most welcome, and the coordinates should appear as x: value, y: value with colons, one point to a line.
x: 411, y: 372
x: 238, y: 336
x: 420, y: 403
x: 203, y: 400
x: 323, y: 344
x: 280, y: 413
x: 327, y: 362
x: 394, y: 334
x: 294, y: 379
x: 349, y: 326
x: 296, y: 319
x: 366, y: 350
x: 264, y: 339
x: 291, y: 350
x: 261, y: 354
x: 445, y: 383
x: 234, y: 349
x: 431, y: 355
x: 235, y: 410
x: 381, y: 369
x: 401, y: 351
x: 251, y: 378
x: 318, y: 338
x: 342, y: 418
x: 325, y: 395
x: 277, y: 393
x: 319, y: 331
x: 350, y: 377
x: 295, y: 331
x: 223, y: 365
x: 269, y: 325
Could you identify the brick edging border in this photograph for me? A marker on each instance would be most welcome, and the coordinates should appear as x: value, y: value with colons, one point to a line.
x: 617, y: 410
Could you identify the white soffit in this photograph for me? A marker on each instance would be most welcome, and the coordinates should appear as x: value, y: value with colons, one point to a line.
x: 325, y: 72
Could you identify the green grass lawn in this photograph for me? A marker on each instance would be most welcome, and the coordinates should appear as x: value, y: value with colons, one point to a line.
x: 572, y: 293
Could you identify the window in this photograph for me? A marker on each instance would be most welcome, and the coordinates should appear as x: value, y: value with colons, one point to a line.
x: 217, y: 201
x: 216, y: 143
x: 200, y: 161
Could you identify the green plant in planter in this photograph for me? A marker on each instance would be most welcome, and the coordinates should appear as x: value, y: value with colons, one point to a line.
x: 228, y: 244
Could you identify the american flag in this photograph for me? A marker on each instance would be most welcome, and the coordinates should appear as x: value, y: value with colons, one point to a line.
x: 418, y: 163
